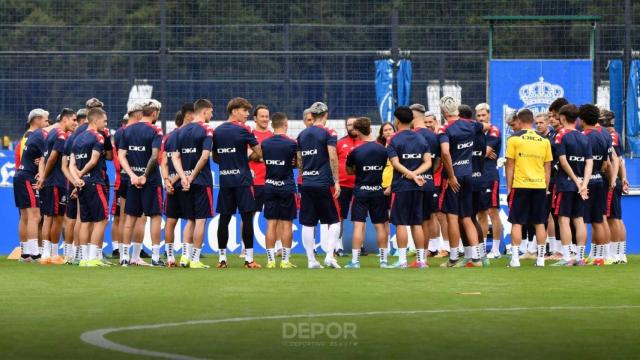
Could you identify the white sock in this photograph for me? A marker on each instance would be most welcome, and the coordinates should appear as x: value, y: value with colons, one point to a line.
x: 120, y: 247
x: 420, y: 255
x: 383, y: 254
x: 222, y: 254
x: 39, y: 248
x: 155, y: 252
x: 461, y: 247
x: 446, y: 245
x: 541, y: 251
x: 115, y: 245
x: 477, y: 252
x: 278, y: 245
x: 623, y: 245
x: 551, y: 240
x: 84, y: 250
x: 286, y: 252
x: 581, y: 250
x: 592, y: 250
x: 100, y: 253
x: 453, y: 255
x: 308, y: 241
x: 65, y: 250
x: 124, y: 252
x: 402, y: 255
x: 495, y: 247
x: 168, y: 248
x: 334, y: 238
x: 46, y: 249
x: 599, y: 251
x: 136, y: 248
x: 355, y: 255
x: 93, y: 252
x: 77, y: 252
x: 32, y: 247
x: 195, y: 255
x: 558, y: 245
x: 54, y: 249
x: 248, y: 255
x: 467, y: 252
x: 566, y: 252
x: 515, y: 252
x: 271, y: 254
x: 433, y: 245
x: 606, y: 253
x: 187, y: 249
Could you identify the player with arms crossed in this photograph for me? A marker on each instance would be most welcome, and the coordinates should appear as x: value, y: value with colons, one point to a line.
x: 279, y: 154
x: 367, y: 162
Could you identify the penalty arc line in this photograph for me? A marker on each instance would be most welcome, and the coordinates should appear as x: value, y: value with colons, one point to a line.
x: 97, y: 337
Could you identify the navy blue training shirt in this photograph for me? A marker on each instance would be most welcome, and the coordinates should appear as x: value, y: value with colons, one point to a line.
x: 490, y: 169
x: 138, y: 140
x: 409, y: 147
x: 460, y: 135
x: 230, y: 142
x: 191, y: 140
x: 279, y: 153
x: 34, y: 148
x: 56, y: 141
x: 434, y: 147
x: 575, y: 146
x: 83, y: 147
x: 369, y: 160
x: 599, y: 151
x: 316, y: 167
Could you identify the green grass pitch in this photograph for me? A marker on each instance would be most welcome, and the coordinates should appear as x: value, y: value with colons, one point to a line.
x: 491, y: 313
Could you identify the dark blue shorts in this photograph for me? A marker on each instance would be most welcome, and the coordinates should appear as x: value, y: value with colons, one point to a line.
x: 280, y: 206
x: 318, y: 204
x: 115, y: 206
x: 258, y: 193
x: 528, y: 206
x: 406, y: 208
x: 613, y: 208
x: 595, y: 206
x: 197, y: 203
x: 54, y: 201
x: 429, y: 204
x: 24, y: 194
x: 344, y: 200
x: 569, y: 204
x: 172, y: 208
x: 490, y: 196
x: 72, y: 205
x: 94, y: 206
x: 241, y: 198
x: 375, y: 207
x: 460, y: 203
x: 147, y: 201
x: 122, y: 189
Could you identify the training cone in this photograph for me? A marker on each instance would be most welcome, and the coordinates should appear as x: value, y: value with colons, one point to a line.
x: 15, y: 254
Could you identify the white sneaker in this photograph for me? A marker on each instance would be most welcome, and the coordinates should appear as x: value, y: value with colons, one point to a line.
x: 514, y: 263
x: 139, y: 262
x: 539, y: 263
x: 493, y: 255
x: 332, y: 263
x: 314, y: 264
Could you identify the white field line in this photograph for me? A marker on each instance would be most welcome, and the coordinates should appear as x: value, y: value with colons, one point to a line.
x: 97, y: 337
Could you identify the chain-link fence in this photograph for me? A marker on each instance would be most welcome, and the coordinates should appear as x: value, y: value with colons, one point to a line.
x: 286, y: 54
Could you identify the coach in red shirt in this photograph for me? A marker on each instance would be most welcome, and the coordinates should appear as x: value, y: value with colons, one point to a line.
x: 347, y: 182
x: 261, y: 117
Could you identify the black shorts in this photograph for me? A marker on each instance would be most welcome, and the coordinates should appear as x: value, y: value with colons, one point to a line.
x: 115, y: 206
x: 147, y: 201
x: 429, y: 204
x: 614, y: 202
x: 595, y: 205
x: 121, y: 191
x: 490, y: 197
x: 258, y: 192
x: 527, y: 206
x: 440, y: 190
x: 550, y: 198
x: 172, y: 209
x: 406, y: 208
x: 318, y: 204
x: 54, y: 201
x: 375, y: 207
x: 280, y: 206
x: 241, y: 198
x: 460, y: 203
x: 72, y: 205
x: 24, y: 193
x: 344, y: 200
x: 93, y: 203
x: 197, y: 203
x: 569, y: 204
